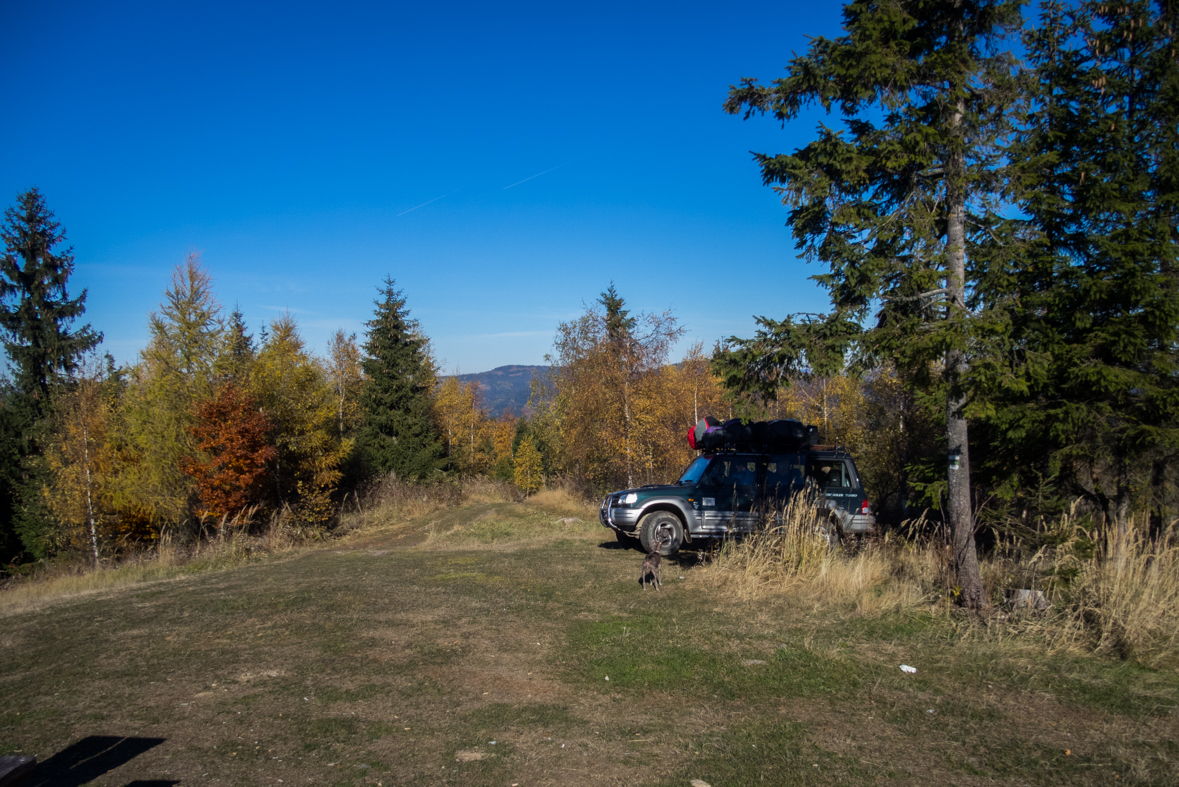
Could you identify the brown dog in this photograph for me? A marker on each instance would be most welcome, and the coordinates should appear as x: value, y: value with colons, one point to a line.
x: 653, y: 563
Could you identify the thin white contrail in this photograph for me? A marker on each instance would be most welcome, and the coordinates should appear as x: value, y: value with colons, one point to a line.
x: 424, y: 204
x: 537, y: 175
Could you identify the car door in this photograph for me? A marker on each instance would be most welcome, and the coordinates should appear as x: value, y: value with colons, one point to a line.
x: 728, y: 493
x: 784, y: 475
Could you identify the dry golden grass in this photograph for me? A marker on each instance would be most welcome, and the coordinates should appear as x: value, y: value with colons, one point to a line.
x: 1125, y: 599
x: 794, y: 556
x: 1121, y: 597
x: 562, y: 501
x: 393, y: 502
x: 167, y: 559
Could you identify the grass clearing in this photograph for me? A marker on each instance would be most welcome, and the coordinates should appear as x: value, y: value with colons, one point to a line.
x: 470, y: 644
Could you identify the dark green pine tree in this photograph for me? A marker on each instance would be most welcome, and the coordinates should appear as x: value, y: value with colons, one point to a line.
x: 1094, y: 283
x: 239, y: 352
x: 892, y: 204
x: 396, y: 434
x: 619, y: 323
x: 35, y: 310
x: 36, y: 314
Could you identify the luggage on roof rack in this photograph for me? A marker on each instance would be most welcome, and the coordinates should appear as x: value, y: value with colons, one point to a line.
x: 783, y: 434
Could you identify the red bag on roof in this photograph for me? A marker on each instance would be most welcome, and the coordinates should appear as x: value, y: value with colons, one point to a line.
x: 697, y: 433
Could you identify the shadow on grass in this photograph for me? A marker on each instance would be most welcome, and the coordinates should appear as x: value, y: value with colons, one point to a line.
x: 90, y: 758
x: 620, y: 546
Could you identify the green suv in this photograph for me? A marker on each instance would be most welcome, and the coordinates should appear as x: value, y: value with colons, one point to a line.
x: 726, y: 492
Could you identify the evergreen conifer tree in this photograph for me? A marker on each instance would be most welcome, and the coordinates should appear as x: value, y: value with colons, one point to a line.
x: 11, y: 442
x: 892, y: 204
x: 396, y: 432
x: 1092, y: 288
x: 36, y: 314
x: 35, y: 310
x: 238, y: 354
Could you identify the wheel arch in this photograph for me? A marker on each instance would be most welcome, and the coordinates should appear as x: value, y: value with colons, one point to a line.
x: 680, y: 510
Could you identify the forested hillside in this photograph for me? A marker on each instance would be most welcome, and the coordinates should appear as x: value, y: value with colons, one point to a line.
x: 504, y: 388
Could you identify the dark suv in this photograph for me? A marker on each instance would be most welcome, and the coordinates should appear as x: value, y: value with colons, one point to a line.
x: 727, y: 493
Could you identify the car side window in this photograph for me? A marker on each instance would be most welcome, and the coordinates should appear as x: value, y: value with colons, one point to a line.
x: 745, y: 473
x: 784, y: 471
x: 730, y: 471
x: 715, y: 473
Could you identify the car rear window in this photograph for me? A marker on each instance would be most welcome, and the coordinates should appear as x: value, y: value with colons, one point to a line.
x: 829, y: 473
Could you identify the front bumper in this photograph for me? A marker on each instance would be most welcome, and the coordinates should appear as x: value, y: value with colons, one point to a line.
x: 624, y: 520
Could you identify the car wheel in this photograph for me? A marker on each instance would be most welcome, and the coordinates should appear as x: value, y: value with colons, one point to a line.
x: 625, y: 539
x: 661, y: 526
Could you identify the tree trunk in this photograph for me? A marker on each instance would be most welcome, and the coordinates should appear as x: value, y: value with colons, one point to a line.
x: 1122, y: 510
x: 961, y: 518
x: 957, y: 440
x: 89, y: 495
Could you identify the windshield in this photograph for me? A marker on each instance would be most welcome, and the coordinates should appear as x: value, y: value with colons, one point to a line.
x: 694, y: 471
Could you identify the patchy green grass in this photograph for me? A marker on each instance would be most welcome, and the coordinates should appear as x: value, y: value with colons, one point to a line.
x: 641, y: 651
x: 479, y: 652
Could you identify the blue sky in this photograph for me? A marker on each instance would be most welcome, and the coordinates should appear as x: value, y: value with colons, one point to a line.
x: 503, y: 163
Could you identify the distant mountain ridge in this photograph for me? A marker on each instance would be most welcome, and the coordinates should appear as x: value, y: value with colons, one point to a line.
x: 504, y: 388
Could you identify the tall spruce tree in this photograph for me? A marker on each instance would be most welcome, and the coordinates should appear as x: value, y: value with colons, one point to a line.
x: 1093, y: 283
x: 238, y: 353
x: 36, y: 315
x: 892, y: 204
x: 36, y: 312
x: 396, y: 432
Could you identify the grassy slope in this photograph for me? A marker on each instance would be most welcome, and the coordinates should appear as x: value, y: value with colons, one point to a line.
x: 388, y: 660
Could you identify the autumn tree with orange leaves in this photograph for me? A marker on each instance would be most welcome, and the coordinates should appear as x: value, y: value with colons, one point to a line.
x: 230, y: 433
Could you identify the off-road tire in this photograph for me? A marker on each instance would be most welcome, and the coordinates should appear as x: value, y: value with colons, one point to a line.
x: 625, y: 539
x: 666, y: 522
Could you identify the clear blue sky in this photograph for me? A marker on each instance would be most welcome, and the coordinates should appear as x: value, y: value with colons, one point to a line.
x: 502, y: 162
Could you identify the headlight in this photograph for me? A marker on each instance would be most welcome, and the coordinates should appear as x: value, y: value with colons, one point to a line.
x: 630, y: 499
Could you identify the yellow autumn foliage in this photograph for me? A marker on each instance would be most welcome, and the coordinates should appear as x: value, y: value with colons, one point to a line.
x: 292, y: 389
x: 527, y: 470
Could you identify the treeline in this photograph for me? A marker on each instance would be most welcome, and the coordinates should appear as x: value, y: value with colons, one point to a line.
x: 611, y: 411
x: 614, y: 409
x: 214, y: 428
x: 209, y: 427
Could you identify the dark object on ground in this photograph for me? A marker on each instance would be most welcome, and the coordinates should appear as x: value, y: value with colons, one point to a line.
x: 90, y: 758
x: 15, y: 770
x: 653, y: 564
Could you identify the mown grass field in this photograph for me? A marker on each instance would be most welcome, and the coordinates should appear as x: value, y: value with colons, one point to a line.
x: 491, y: 644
